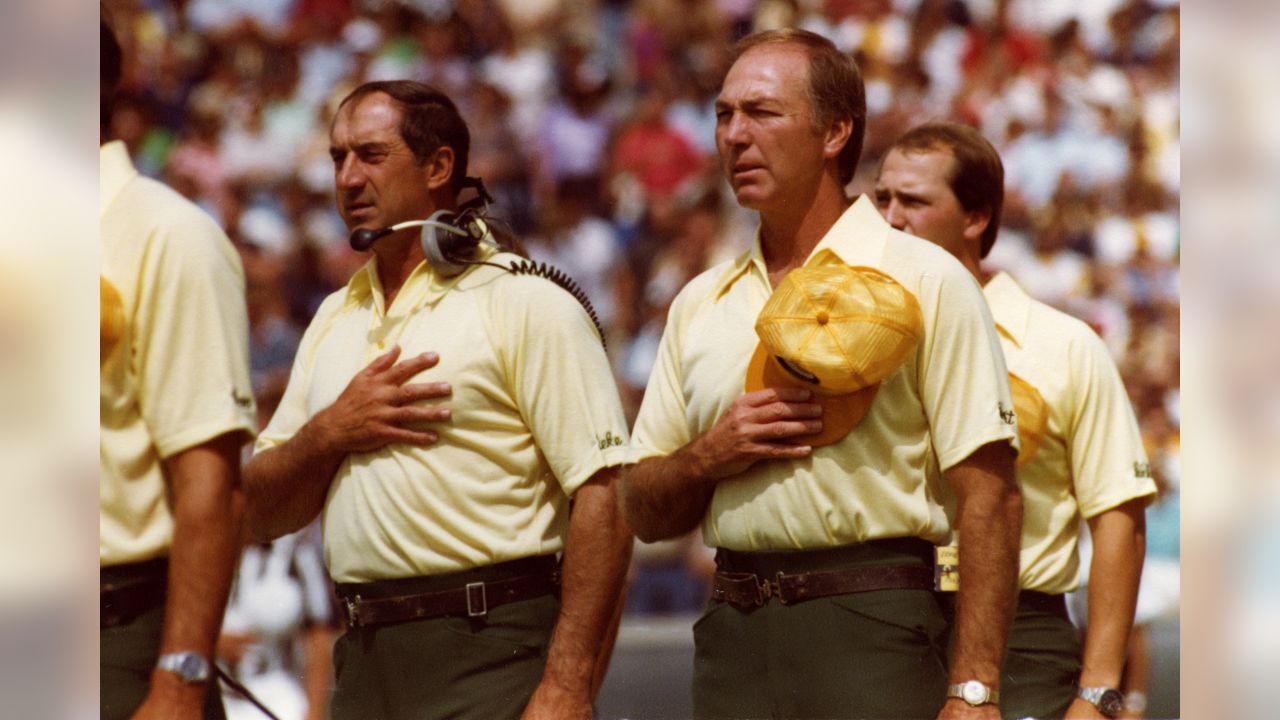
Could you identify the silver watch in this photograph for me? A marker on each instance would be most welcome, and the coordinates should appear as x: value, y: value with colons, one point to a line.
x: 1109, y: 701
x: 974, y: 692
x: 190, y: 666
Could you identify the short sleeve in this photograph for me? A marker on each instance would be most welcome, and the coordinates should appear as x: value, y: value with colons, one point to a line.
x: 560, y: 379
x: 291, y: 412
x: 192, y: 340
x: 1108, y: 461
x: 964, y: 385
x: 662, y: 425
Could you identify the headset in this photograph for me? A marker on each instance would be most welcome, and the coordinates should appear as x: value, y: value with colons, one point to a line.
x: 450, y: 240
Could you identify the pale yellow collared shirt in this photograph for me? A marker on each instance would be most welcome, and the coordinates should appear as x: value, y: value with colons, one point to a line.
x: 883, y: 479
x: 535, y: 414
x: 179, y: 374
x: 1091, y: 458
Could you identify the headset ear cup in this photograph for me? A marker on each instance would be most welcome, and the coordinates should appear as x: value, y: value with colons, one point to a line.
x: 448, y: 253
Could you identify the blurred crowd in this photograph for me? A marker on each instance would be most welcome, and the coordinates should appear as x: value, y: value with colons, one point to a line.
x: 592, y: 126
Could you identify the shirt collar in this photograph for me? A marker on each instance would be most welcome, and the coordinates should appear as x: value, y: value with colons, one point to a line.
x: 743, y: 264
x: 115, y: 170
x: 857, y: 238
x: 423, y: 287
x: 1010, y: 306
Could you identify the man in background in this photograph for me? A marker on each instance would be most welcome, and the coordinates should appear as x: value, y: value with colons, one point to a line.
x: 1081, y: 453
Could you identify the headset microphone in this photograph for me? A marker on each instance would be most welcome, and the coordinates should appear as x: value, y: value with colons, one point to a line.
x: 463, y: 240
x: 449, y: 241
x: 363, y: 239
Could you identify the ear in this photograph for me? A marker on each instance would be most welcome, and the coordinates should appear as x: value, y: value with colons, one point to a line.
x: 836, y: 137
x: 438, y: 168
x: 975, y: 223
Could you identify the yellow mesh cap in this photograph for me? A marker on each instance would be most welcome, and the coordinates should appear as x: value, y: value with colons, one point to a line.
x: 837, y: 330
x: 1033, y: 417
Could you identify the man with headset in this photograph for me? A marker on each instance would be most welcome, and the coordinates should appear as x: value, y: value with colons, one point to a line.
x: 1081, y: 453
x: 816, y: 462
x: 175, y: 410
x: 456, y: 432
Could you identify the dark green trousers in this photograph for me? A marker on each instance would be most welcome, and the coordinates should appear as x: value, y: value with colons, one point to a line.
x: 1042, y: 665
x: 459, y: 668
x: 865, y: 655
x: 128, y: 655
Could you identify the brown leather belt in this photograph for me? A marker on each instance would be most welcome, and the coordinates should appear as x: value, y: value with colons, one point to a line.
x: 750, y: 590
x: 474, y: 599
x: 131, y: 590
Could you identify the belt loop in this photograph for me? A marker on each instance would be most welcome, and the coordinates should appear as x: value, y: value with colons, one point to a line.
x: 477, y: 601
x: 353, y: 611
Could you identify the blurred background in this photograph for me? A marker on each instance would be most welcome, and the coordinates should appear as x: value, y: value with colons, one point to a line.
x: 593, y: 128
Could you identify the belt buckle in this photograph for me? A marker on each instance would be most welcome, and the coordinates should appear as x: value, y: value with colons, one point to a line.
x: 353, y: 610
x: 477, y: 600
x: 766, y: 588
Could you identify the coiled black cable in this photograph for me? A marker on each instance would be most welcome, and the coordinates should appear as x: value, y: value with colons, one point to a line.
x: 557, y: 276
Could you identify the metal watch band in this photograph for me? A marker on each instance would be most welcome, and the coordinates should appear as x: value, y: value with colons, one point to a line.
x: 192, y: 667
x: 1109, y: 701
x: 974, y: 692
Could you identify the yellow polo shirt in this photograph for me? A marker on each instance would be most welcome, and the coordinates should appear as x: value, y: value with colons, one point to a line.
x: 178, y: 374
x: 1091, y: 458
x: 535, y: 413
x: 883, y: 479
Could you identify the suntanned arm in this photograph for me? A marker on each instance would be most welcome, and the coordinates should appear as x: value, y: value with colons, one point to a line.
x: 207, y: 512
x: 285, y: 486
x: 597, y: 553
x: 989, y: 521
x: 1119, y: 548
x: 317, y: 671
x: 665, y: 497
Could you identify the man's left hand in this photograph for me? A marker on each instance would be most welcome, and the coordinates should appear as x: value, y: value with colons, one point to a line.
x: 551, y: 702
x: 957, y: 709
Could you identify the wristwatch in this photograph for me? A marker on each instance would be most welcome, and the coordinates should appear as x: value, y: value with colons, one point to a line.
x: 974, y: 692
x: 191, y: 667
x: 1109, y: 701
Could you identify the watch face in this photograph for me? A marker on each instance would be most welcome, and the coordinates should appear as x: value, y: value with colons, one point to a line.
x: 1111, y: 703
x: 190, y: 667
x: 974, y: 692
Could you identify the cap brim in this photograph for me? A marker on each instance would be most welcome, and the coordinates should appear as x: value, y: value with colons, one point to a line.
x: 840, y: 413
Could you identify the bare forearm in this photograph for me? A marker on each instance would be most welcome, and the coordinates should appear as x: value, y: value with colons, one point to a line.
x: 1119, y: 545
x: 285, y: 487
x: 207, y: 512
x: 665, y: 497
x: 990, y: 523
x: 318, y: 672
x: 597, y: 552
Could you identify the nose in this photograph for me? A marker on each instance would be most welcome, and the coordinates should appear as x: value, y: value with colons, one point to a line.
x: 894, y: 215
x: 733, y: 130
x: 348, y: 174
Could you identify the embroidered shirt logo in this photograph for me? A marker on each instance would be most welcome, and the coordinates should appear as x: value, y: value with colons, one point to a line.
x: 610, y: 440
x: 1141, y: 469
x: 244, y: 401
x: 1006, y: 414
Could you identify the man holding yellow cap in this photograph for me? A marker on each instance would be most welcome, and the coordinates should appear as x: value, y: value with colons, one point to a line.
x: 1081, y: 454
x: 813, y: 402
